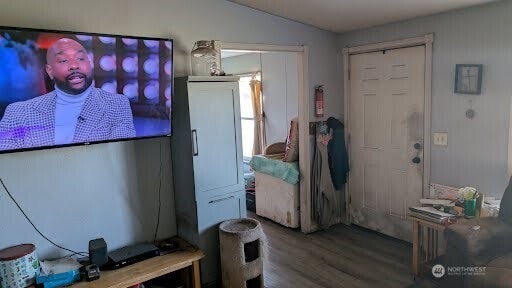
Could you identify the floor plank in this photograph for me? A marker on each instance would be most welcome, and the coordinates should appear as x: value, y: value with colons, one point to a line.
x: 342, y: 256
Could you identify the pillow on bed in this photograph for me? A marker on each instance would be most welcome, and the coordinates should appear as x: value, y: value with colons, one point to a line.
x: 276, y: 148
x: 292, y: 143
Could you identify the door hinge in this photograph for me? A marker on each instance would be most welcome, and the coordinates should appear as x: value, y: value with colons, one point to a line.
x: 349, y: 74
x: 350, y: 200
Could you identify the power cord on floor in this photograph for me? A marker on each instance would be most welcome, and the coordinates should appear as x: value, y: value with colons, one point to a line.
x: 37, y: 230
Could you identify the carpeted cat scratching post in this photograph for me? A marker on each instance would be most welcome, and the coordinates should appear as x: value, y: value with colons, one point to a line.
x: 242, y: 246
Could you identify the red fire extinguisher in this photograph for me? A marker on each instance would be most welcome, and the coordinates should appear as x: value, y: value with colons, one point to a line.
x: 319, y: 101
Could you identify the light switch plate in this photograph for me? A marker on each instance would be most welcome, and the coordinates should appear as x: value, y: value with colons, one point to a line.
x: 441, y: 139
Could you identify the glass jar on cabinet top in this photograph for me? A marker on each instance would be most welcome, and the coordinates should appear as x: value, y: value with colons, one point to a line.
x: 205, y: 58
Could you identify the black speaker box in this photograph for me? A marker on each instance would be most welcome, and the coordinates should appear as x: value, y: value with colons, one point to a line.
x: 98, y: 252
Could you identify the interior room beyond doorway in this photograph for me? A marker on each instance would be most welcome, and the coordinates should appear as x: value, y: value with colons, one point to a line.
x: 269, y: 93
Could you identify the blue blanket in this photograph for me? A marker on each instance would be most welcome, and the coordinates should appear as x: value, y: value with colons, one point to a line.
x: 287, y: 171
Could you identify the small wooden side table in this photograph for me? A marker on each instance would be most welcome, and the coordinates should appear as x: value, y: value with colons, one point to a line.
x: 432, y: 239
x: 186, y: 260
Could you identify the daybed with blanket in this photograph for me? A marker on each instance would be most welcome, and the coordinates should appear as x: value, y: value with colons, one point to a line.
x: 277, y: 189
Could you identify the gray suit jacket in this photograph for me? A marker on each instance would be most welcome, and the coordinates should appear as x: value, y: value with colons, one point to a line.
x: 31, y: 123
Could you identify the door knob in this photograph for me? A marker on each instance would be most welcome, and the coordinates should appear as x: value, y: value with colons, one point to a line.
x: 417, y: 146
x: 416, y: 160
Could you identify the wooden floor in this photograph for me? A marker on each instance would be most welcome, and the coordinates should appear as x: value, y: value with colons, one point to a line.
x: 342, y: 256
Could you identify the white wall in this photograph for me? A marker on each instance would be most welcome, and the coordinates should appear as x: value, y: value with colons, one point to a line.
x: 59, y: 188
x: 476, y: 154
x: 81, y: 193
x: 279, y: 80
x: 280, y: 88
x: 242, y: 64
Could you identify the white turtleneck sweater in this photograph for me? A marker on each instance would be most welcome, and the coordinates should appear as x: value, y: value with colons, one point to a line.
x: 67, y: 112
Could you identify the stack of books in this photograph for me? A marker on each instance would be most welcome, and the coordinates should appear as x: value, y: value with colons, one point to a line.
x: 432, y: 214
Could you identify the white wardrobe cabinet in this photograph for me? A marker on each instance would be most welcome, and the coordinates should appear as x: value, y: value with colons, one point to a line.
x: 207, y: 161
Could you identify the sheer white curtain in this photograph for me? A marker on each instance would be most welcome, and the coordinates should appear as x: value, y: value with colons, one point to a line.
x: 257, y: 107
x: 251, y: 110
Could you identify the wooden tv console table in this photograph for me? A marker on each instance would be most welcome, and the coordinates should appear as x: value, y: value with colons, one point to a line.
x: 152, y: 268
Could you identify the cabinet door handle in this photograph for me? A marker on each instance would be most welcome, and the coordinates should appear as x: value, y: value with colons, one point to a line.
x: 195, y: 147
x: 220, y: 200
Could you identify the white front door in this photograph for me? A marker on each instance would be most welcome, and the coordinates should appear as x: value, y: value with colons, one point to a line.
x: 386, y: 141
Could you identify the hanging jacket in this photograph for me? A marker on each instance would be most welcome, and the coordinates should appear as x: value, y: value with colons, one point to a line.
x: 338, y: 156
x: 323, y: 194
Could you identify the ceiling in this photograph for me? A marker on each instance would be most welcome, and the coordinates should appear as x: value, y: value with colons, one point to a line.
x: 346, y: 15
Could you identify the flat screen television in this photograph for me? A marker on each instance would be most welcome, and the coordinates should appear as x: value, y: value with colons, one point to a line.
x: 60, y: 88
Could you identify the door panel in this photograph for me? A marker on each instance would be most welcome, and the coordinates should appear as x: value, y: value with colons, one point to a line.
x: 371, y: 185
x: 372, y: 122
x: 386, y: 120
x: 217, y: 151
x: 398, y: 191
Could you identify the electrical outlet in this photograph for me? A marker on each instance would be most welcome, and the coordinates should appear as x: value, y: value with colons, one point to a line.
x: 441, y: 139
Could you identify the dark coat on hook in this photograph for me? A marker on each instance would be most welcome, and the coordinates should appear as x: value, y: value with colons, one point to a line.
x: 338, y: 156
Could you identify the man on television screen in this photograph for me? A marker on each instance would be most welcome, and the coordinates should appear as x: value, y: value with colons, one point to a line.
x: 75, y: 112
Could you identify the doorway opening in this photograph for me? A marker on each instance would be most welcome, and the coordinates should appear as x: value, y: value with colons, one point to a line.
x: 268, y: 89
x: 278, y: 106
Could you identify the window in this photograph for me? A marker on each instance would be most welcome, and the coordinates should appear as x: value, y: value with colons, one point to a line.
x: 247, y: 113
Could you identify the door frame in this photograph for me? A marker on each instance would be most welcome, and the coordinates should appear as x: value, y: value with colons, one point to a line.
x: 427, y: 40
x: 302, y: 52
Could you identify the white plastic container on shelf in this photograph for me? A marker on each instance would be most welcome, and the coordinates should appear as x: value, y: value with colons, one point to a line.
x: 18, y: 266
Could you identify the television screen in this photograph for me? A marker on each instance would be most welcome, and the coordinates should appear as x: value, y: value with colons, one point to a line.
x: 68, y: 88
